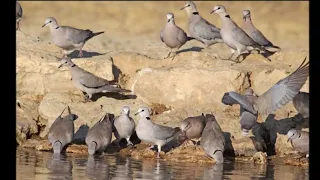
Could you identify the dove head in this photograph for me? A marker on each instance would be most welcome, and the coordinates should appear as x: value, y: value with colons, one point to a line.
x: 245, y: 132
x: 220, y: 10
x: 249, y: 92
x: 190, y: 7
x: 125, y: 110
x: 143, y: 112
x: 170, y: 17
x: 51, y: 22
x: 185, y: 125
x: 218, y: 156
x: 246, y: 15
x: 66, y: 61
x: 292, y: 134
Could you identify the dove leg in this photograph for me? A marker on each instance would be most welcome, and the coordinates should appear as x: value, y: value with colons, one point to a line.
x: 169, y: 54
x: 87, y: 97
x: 18, y: 26
x: 230, y: 57
x: 129, y: 142
x: 159, y: 150
x: 80, y: 53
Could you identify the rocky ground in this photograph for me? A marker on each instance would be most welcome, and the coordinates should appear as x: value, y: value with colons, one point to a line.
x: 131, y: 52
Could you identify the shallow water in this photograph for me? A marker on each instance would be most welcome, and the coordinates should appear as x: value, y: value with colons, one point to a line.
x: 31, y: 164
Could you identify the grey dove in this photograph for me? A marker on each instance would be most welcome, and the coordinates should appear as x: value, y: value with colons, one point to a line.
x: 18, y: 15
x: 199, y: 28
x: 212, y: 139
x: 99, y: 136
x: 253, y: 32
x: 124, y: 125
x: 247, y: 119
x: 153, y: 133
x: 299, y: 140
x: 277, y: 96
x: 61, y: 131
x: 233, y: 36
x: 301, y: 103
x: 172, y: 35
x: 68, y: 38
x: 193, y: 127
x: 88, y: 82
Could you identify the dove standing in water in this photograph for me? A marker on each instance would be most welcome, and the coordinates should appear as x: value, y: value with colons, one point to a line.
x: 61, y: 131
x: 199, y: 28
x: 18, y: 15
x: 68, y: 38
x: 124, y: 126
x: 253, y: 32
x: 301, y: 103
x: 99, y: 136
x: 277, y: 96
x: 212, y: 139
x: 152, y: 133
x: 193, y: 127
x: 233, y: 36
x: 88, y: 82
x: 299, y: 141
x: 172, y: 35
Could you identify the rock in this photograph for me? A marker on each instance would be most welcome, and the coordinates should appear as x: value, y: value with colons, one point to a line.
x: 260, y: 158
x: 88, y: 113
x: 197, y: 86
x: 26, y: 117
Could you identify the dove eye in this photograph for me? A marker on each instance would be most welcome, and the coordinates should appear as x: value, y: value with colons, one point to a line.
x: 142, y: 110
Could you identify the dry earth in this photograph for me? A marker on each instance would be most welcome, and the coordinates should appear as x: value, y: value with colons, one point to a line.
x: 131, y: 52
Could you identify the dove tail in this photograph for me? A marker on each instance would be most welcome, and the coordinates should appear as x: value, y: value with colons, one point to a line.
x: 114, y: 89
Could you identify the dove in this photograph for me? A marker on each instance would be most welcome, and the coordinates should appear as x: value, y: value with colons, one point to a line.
x: 153, y: 133
x: 88, y: 82
x: 199, y: 28
x: 277, y: 96
x: 301, y: 103
x: 18, y: 15
x: 172, y: 35
x: 124, y: 125
x: 253, y: 32
x: 247, y: 119
x: 299, y: 140
x: 233, y: 36
x: 68, y: 38
x: 99, y: 136
x: 193, y: 127
x: 212, y: 139
x: 61, y: 131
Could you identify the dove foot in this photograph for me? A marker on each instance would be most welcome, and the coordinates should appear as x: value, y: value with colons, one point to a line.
x: 129, y: 143
x: 158, y: 155
x: 87, y: 98
x: 80, y: 53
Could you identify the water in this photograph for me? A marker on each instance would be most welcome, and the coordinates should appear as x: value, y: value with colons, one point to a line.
x: 31, y: 164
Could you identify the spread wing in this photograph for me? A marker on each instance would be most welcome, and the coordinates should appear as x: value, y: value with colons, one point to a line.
x: 232, y: 97
x: 283, y: 91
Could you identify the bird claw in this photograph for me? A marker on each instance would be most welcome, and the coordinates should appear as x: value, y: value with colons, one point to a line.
x: 86, y: 98
x: 80, y: 54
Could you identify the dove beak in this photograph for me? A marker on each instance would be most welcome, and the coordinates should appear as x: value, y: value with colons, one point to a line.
x: 136, y: 113
x: 289, y: 139
x: 60, y: 66
x: 212, y: 11
x: 44, y: 24
x: 183, y: 8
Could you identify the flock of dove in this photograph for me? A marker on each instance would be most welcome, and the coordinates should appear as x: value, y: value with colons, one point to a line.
x: 204, y: 127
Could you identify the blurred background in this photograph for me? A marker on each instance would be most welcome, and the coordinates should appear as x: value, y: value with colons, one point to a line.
x: 285, y: 23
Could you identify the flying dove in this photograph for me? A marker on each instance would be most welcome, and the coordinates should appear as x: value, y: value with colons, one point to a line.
x: 172, y: 35
x: 277, y: 96
x: 299, y: 140
x: 124, y: 125
x: 199, y: 28
x: 18, y: 15
x: 99, y: 136
x: 61, y: 131
x: 253, y: 32
x: 301, y: 103
x: 88, y: 82
x: 212, y: 139
x: 193, y: 127
x: 68, y: 38
x: 233, y: 36
x: 152, y: 133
